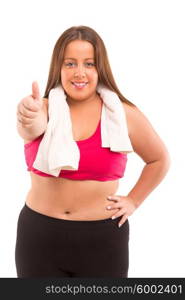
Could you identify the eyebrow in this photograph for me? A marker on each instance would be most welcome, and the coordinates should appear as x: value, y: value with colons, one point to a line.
x: 75, y: 58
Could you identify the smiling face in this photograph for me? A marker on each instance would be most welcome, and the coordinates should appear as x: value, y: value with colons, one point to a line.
x: 79, y: 66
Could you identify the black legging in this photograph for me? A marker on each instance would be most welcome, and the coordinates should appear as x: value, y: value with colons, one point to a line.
x: 52, y: 247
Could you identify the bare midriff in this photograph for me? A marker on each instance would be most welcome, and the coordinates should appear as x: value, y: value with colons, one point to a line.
x: 71, y: 199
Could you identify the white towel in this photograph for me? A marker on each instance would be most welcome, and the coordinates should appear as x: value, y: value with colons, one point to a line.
x: 59, y: 151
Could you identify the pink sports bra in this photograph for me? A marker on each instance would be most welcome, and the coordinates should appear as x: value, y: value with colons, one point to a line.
x: 96, y: 163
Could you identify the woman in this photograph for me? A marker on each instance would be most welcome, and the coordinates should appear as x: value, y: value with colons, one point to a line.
x: 69, y: 227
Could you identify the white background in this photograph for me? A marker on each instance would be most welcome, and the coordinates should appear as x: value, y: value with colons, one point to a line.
x: 145, y: 45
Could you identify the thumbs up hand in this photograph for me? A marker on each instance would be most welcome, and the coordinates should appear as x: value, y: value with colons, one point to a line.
x: 29, y: 107
x: 36, y: 94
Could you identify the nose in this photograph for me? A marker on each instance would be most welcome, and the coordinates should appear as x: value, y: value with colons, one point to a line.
x: 80, y: 71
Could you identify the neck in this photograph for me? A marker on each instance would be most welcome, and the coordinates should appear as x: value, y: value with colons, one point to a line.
x: 82, y: 103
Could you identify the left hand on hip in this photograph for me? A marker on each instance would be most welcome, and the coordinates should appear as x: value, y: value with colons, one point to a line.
x: 125, y: 205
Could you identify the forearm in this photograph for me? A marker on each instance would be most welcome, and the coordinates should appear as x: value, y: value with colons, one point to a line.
x: 152, y: 174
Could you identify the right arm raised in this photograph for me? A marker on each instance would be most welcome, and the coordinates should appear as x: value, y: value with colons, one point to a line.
x: 32, y: 115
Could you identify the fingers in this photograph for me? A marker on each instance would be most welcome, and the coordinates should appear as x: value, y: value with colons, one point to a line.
x: 114, y: 197
x: 26, y: 110
x: 114, y: 205
x: 123, y: 219
x: 120, y: 213
x: 24, y: 121
x: 125, y: 208
x: 115, y: 202
x: 24, y: 114
x: 30, y: 106
x: 35, y: 90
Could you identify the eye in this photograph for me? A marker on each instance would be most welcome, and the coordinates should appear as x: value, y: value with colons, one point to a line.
x: 69, y: 64
x: 92, y: 64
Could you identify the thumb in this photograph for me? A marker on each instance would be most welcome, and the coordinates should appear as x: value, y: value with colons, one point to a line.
x: 35, y: 90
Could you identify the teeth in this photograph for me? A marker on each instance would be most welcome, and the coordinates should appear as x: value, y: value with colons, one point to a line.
x: 79, y: 84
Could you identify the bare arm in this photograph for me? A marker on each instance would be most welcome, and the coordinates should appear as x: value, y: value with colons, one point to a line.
x: 152, y: 174
x: 149, y: 146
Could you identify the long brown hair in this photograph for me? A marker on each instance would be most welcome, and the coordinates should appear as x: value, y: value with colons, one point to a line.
x: 83, y: 33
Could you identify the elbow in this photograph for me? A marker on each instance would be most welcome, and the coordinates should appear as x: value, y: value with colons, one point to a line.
x: 166, y: 161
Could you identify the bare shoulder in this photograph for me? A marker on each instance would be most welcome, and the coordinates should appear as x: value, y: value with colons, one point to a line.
x: 45, y: 108
x: 129, y: 112
x: 145, y: 140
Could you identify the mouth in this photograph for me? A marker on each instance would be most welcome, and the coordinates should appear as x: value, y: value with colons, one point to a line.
x: 79, y: 85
